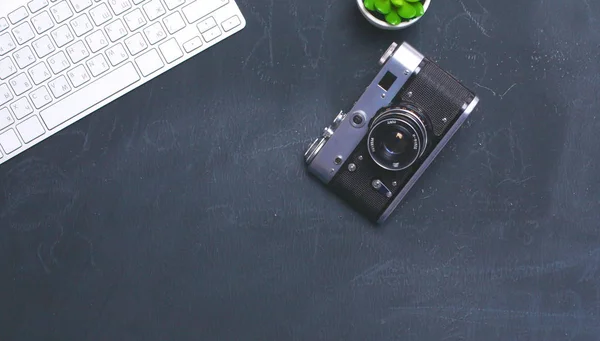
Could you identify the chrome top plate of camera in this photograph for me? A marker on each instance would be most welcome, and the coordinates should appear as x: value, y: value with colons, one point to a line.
x: 399, y: 64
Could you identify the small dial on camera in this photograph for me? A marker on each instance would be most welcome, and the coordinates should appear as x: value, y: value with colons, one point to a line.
x: 397, y: 139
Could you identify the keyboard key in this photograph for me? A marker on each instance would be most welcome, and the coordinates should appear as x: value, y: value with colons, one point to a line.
x: 80, y: 5
x: 116, y: 54
x: 36, y: 5
x: 134, y: 20
x: 97, y: 65
x: 39, y: 73
x: 171, y: 51
x: 20, y: 84
x: 18, y: 15
x: 5, y: 118
x: 211, y: 34
x: 119, y: 6
x: 78, y: 76
x: 135, y: 44
x: 7, y: 68
x: 192, y: 44
x: 23, y: 33
x: 174, y: 22
x: 5, y: 94
x: 149, y: 62
x: 62, y: 36
x: 6, y: 44
x: 90, y: 95
x: 100, y: 14
x: 231, y: 23
x: 154, y: 9
x: 155, y: 33
x: 21, y: 108
x: 59, y: 62
x: 207, y: 24
x: 77, y: 52
x: 59, y: 86
x: 172, y: 4
x: 81, y: 25
x: 40, y: 97
x: 3, y: 24
x: 43, y: 46
x: 137, y: 2
x: 61, y: 12
x: 24, y: 57
x: 199, y: 9
x: 96, y: 41
x: 9, y: 141
x: 30, y: 129
x: 116, y: 30
x: 42, y: 22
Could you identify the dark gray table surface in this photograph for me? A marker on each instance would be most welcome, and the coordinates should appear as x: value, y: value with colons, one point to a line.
x: 183, y: 211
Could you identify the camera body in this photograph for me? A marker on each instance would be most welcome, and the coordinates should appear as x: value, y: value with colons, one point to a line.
x: 373, y: 155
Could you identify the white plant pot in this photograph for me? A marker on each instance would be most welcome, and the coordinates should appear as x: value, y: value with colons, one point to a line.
x: 383, y: 24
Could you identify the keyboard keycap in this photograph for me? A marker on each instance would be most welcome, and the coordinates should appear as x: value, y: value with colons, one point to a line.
x: 59, y: 86
x: 42, y: 22
x: 30, y: 129
x: 24, y: 57
x: 116, y: 30
x: 21, y: 108
x: 207, y: 24
x: 39, y: 73
x: 119, y: 6
x: 96, y: 41
x: 58, y: 62
x: 80, y: 5
x: 77, y: 52
x: 97, y: 65
x: 192, y: 44
x: 62, y: 36
x: 20, y: 84
x: 231, y: 23
x: 172, y: 4
x: 116, y: 54
x: 174, y: 23
x: 134, y: 20
x: 5, y: 118
x: 6, y: 44
x: 36, y: 5
x: 137, y: 2
x: 3, y: 24
x: 81, y: 25
x: 61, y: 12
x: 155, y: 33
x: 9, y: 141
x: 90, y: 95
x: 78, y: 76
x: 18, y: 15
x: 171, y: 51
x: 100, y: 14
x: 199, y: 9
x: 23, y: 33
x: 7, y: 68
x: 211, y: 34
x: 43, y: 46
x: 149, y: 62
x: 154, y: 9
x: 135, y: 44
x: 5, y: 94
x: 40, y: 97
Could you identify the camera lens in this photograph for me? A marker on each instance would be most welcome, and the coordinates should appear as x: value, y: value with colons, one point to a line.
x: 397, y: 139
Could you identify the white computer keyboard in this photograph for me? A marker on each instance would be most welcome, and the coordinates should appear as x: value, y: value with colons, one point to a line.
x: 61, y: 60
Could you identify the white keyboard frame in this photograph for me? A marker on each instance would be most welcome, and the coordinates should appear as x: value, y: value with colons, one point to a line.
x: 191, y: 31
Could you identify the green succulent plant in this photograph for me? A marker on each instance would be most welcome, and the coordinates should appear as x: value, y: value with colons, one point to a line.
x: 395, y: 11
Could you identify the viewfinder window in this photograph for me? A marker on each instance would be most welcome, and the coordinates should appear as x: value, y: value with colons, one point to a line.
x: 387, y: 81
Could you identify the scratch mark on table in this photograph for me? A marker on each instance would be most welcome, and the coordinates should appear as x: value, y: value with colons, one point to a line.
x: 475, y: 21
